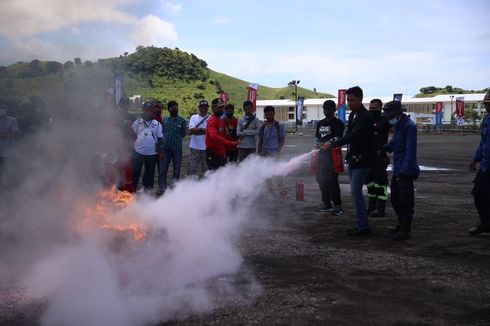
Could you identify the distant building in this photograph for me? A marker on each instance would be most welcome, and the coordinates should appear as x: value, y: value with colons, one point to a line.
x: 421, y: 109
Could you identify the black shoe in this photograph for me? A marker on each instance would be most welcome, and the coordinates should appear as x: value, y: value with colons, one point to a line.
x: 395, y: 230
x: 401, y: 236
x: 479, y: 229
x: 355, y: 232
x: 337, y: 211
x: 377, y: 214
x: 324, y: 208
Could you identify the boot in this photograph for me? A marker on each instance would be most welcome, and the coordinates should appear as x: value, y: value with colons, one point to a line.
x: 394, y: 230
x: 380, y: 212
x: 405, y: 230
x: 372, y: 205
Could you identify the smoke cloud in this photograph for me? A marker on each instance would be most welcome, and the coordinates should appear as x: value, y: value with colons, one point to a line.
x: 185, y: 264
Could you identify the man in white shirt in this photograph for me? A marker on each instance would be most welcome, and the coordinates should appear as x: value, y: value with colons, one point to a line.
x: 147, y: 147
x: 197, y: 145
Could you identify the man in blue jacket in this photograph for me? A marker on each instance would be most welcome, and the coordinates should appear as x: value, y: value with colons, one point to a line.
x: 481, y: 188
x: 405, y: 168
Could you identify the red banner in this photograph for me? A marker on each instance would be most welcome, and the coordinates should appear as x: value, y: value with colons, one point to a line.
x: 252, y: 95
x: 438, y: 107
x: 460, y: 110
x: 224, y: 97
x: 341, y: 98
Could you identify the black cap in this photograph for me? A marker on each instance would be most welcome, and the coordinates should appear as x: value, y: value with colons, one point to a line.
x: 217, y: 102
x: 203, y: 103
x: 392, y: 107
x: 148, y: 106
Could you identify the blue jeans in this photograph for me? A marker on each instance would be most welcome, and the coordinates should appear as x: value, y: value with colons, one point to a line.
x: 357, y: 178
x: 176, y: 157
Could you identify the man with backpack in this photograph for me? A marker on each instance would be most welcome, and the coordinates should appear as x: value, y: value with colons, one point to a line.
x: 197, y: 145
x: 248, y: 128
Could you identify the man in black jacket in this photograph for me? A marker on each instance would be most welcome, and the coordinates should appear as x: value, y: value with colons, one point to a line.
x: 360, y: 155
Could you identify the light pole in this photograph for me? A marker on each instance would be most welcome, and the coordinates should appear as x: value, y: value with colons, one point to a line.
x: 295, y: 84
x: 451, y: 116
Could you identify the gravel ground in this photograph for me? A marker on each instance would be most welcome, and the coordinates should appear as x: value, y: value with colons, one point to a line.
x: 300, y: 269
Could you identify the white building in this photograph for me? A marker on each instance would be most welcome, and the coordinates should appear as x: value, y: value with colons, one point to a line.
x: 421, y: 109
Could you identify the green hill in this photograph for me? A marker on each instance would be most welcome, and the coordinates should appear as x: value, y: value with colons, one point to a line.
x: 157, y: 74
x: 431, y: 91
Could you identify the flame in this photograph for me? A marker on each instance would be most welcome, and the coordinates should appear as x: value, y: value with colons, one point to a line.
x: 103, y: 214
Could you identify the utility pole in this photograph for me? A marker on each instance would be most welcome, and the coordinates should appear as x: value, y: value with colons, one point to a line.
x: 295, y: 84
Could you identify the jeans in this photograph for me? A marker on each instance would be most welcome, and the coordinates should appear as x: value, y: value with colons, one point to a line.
x: 170, y: 155
x: 357, y: 177
x: 149, y: 161
x: 328, y: 180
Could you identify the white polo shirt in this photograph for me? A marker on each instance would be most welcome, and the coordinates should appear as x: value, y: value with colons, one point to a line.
x: 198, y: 141
x: 147, y: 133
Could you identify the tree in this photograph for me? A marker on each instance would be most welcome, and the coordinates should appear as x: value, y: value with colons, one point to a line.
x: 3, y: 71
x: 78, y: 61
x: 87, y: 63
x: 449, y: 89
x: 53, y: 66
x: 68, y: 65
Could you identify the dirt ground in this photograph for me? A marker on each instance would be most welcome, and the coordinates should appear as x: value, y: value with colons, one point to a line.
x: 310, y: 273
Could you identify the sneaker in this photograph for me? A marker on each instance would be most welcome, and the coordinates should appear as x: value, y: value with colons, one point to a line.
x: 479, y: 229
x: 337, y: 211
x: 355, y: 232
x: 324, y: 208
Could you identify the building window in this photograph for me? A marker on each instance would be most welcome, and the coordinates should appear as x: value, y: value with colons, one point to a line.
x: 291, y: 116
x: 291, y: 109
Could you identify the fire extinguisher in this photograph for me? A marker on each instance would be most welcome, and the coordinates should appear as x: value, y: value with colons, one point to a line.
x: 300, y: 190
x: 337, y: 161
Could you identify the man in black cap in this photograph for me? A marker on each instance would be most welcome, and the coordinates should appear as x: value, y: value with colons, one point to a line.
x: 481, y: 188
x: 405, y: 168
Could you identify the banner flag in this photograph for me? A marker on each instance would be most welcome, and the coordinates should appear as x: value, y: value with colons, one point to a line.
x: 439, y: 114
x: 341, y: 105
x: 460, y: 110
x: 118, y: 88
x: 224, y: 97
x: 397, y: 97
x: 252, y: 95
x: 299, y: 110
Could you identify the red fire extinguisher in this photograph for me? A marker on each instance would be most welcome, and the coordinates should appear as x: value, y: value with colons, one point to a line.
x: 337, y: 161
x: 300, y: 190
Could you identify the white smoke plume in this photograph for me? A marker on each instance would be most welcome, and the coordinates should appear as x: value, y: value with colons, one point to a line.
x: 96, y: 277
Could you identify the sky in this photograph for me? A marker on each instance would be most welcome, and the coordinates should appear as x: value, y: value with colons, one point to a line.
x: 383, y: 46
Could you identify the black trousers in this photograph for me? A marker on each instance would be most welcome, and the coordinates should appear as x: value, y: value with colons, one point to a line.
x: 377, y: 180
x: 328, y: 179
x: 403, y: 197
x: 481, y: 194
x: 150, y: 162
x: 232, y: 155
x: 213, y: 160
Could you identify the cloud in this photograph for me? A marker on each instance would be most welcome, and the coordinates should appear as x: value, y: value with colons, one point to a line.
x: 171, y: 8
x: 152, y: 30
x: 221, y: 21
x: 25, y: 18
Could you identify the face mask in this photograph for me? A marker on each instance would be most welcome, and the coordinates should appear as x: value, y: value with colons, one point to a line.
x: 3, y: 112
x: 394, y: 121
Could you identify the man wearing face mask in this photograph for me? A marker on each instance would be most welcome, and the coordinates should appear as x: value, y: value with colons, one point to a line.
x: 377, y: 179
x: 215, y: 137
x: 328, y: 129
x: 481, y: 188
x: 405, y: 168
x: 231, y: 132
x: 9, y: 131
x: 147, y: 147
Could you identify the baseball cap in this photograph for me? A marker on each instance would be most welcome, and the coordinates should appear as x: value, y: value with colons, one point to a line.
x: 147, y: 106
x: 203, y: 103
x: 392, y: 107
x: 217, y: 102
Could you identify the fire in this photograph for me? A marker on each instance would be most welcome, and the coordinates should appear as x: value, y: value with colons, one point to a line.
x: 104, y: 215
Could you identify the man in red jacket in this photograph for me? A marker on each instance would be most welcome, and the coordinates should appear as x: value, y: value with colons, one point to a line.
x: 216, y: 142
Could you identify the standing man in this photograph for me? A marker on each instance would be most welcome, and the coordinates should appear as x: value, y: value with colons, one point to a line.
x: 328, y: 129
x: 215, y: 137
x: 197, y: 145
x: 231, y: 128
x: 360, y: 155
x: 147, y: 147
x: 272, y: 136
x: 9, y: 131
x: 377, y: 179
x: 248, y: 128
x: 405, y: 168
x: 125, y: 178
x: 481, y: 188
x: 174, y: 129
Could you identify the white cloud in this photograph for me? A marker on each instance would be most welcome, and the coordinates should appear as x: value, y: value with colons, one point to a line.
x: 151, y: 30
x: 221, y: 21
x: 25, y: 18
x: 171, y: 8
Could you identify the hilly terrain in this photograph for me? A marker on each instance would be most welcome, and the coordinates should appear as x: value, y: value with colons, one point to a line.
x: 157, y: 74
x: 431, y: 91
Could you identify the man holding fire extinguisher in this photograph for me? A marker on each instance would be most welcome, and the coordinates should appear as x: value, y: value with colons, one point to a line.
x: 328, y: 129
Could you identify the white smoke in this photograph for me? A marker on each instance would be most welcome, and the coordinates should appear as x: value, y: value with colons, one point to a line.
x: 184, y: 265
